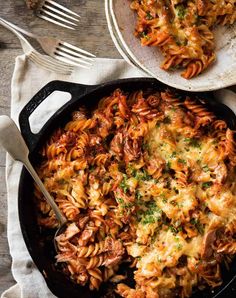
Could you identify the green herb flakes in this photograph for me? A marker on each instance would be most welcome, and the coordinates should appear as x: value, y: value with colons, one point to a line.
x: 181, y: 11
x: 206, y: 185
x: 149, y: 16
x: 193, y: 142
x: 182, y: 161
x: 205, y: 168
x: 151, y: 215
x: 179, y: 246
x: 195, y: 222
x: 123, y: 184
x: 119, y: 200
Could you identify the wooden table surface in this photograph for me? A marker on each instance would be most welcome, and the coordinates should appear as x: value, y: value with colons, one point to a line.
x: 92, y: 35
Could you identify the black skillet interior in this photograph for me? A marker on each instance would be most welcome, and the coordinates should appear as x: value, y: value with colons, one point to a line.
x: 37, y: 241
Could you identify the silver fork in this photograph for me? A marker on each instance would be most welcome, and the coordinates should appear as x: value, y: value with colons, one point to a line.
x: 54, y: 12
x: 44, y: 61
x: 60, y: 50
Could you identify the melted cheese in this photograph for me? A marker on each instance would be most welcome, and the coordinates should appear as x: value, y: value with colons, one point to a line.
x: 165, y: 252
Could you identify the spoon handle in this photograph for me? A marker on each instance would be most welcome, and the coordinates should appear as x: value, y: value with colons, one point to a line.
x: 60, y: 217
x: 12, y: 141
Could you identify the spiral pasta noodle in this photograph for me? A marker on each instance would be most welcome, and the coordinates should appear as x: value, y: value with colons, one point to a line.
x: 182, y: 30
x: 147, y: 181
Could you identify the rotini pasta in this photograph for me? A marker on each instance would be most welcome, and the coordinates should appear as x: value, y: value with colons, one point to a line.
x: 154, y: 189
x: 182, y: 30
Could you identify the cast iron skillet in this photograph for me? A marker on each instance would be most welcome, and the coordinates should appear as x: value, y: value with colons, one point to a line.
x: 39, y: 243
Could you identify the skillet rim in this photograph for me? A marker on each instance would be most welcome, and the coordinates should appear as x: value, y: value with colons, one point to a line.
x: 92, y: 89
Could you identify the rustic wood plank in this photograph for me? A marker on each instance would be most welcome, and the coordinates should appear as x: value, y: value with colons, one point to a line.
x: 6, y: 278
x: 92, y: 35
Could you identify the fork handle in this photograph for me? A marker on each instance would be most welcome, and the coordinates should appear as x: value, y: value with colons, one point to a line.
x: 24, y: 42
x: 15, y: 27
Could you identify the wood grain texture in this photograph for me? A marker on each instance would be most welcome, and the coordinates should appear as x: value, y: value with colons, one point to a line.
x: 92, y: 35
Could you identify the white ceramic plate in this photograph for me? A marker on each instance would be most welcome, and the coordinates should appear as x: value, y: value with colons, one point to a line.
x: 221, y: 74
x: 114, y: 36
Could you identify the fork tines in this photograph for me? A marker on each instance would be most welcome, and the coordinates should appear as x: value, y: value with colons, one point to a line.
x: 53, y: 12
x: 73, y: 55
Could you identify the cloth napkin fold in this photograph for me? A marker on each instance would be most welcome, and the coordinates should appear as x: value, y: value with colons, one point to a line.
x: 28, y: 79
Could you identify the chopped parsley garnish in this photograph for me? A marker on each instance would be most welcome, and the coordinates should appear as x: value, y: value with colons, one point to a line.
x: 173, y: 154
x: 205, y: 168
x: 151, y: 215
x: 149, y: 16
x: 195, y: 222
x: 123, y: 184
x: 148, y: 220
x: 127, y: 205
x: 193, y: 142
x: 132, y: 171
x: 179, y: 246
x: 168, y: 166
x: 139, y: 174
x: 138, y: 195
x: 176, y: 190
x: 181, y: 11
x: 144, y: 35
x: 164, y: 200
x: 124, y: 205
x: 163, y: 197
x: 120, y: 200
x: 183, y: 161
x: 175, y: 230
x: 142, y: 175
x: 207, y: 184
x: 139, y: 200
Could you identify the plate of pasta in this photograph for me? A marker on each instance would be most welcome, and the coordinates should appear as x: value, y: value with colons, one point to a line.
x: 145, y: 175
x: 188, y: 45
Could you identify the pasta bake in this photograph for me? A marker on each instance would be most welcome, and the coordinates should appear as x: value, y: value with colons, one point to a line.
x: 146, y: 179
x: 183, y: 30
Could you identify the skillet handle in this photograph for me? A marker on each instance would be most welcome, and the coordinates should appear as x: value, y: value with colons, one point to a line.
x: 76, y: 91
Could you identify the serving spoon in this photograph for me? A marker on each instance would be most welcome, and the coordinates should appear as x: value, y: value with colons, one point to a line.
x: 12, y: 141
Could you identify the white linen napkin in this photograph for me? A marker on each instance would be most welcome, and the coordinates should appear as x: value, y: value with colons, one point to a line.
x: 28, y: 79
